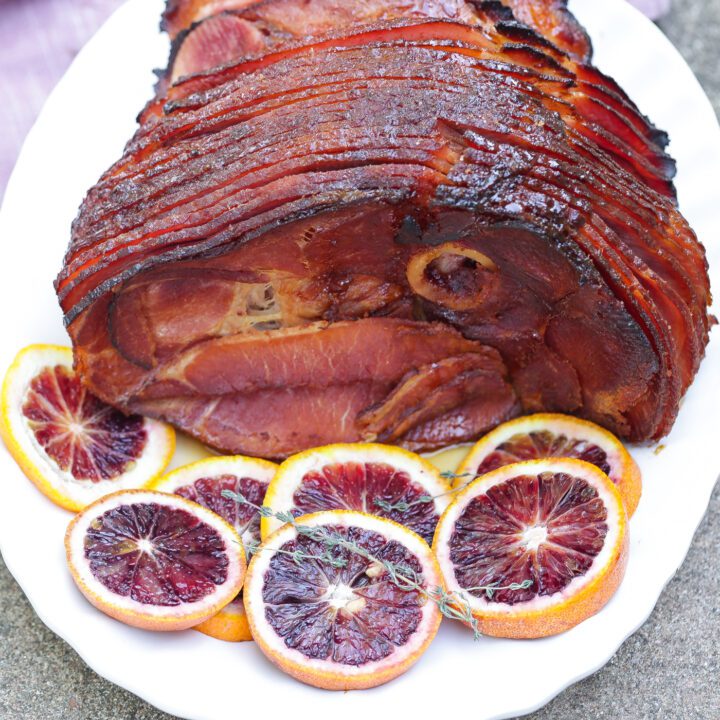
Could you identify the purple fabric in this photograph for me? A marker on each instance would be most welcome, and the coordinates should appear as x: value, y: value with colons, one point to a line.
x: 39, y: 38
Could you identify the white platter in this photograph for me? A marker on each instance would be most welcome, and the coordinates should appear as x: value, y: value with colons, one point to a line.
x: 82, y: 129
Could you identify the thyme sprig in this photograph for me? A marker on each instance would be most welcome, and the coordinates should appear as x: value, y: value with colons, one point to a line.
x: 491, y: 589
x: 453, y: 605
x: 403, y: 506
x: 254, y: 547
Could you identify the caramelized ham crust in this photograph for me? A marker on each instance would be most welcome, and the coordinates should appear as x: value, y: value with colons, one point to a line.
x: 393, y: 220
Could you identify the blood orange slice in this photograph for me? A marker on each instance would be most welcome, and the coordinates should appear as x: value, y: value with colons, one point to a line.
x: 205, y: 482
x: 551, y: 435
x: 377, y: 479
x: 534, y: 548
x: 154, y: 560
x: 73, y: 446
x: 342, y: 625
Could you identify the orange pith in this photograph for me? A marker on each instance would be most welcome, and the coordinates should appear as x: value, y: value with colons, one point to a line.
x: 481, y: 534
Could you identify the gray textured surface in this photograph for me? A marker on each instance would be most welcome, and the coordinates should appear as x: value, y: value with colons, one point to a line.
x: 668, y: 670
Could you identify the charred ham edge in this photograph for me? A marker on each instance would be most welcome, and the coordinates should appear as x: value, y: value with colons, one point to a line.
x: 553, y: 20
x: 561, y: 245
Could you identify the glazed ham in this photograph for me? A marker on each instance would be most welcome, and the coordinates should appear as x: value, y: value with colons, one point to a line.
x: 395, y: 220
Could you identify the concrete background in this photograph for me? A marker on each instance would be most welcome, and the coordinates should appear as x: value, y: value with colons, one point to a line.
x: 668, y: 670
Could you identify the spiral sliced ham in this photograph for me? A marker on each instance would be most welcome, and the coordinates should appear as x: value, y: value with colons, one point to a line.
x: 389, y: 219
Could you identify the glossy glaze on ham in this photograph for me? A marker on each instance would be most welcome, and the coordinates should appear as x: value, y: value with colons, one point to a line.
x: 395, y: 220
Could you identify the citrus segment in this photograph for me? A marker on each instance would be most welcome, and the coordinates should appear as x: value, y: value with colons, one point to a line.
x: 154, y: 560
x: 73, y: 446
x: 551, y: 435
x: 377, y: 479
x: 344, y: 624
x: 534, y: 547
x: 204, y: 482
